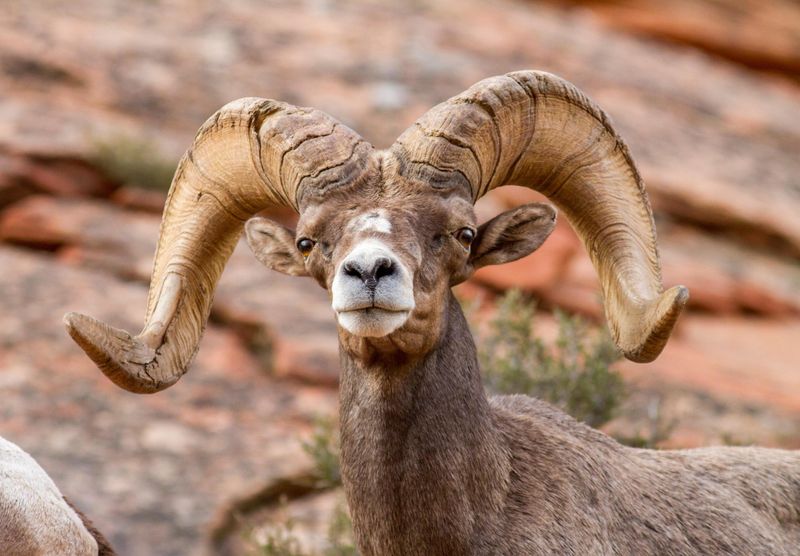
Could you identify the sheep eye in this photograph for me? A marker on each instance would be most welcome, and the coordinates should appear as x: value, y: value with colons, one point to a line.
x: 465, y: 236
x: 305, y: 245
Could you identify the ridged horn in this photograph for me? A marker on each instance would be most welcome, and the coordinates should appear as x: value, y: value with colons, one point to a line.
x: 251, y: 155
x: 536, y: 130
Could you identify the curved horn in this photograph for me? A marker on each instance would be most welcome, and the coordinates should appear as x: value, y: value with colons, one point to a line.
x: 250, y: 155
x: 534, y: 129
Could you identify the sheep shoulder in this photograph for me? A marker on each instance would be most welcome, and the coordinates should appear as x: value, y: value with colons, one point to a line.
x: 574, y: 489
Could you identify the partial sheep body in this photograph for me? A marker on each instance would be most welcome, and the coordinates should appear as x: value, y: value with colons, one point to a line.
x: 35, y: 520
x: 594, y: 496
x: 432, y: 466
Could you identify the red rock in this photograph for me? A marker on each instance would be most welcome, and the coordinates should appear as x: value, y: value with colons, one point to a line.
x: 574, y: 299
x: 472, y: 292
x: 91, y: 224
x: 726, y: 278
x: 538, y: 271
x: 55, y: 175
x: 312, y: 359
x: 66, y: 177
x: 138, y: 198
x: 722, y: 277
x: 709, y: 288
x: 747, y: 359
x: 29, y: 223
x: 119, y: 262
x: 12, y: 189
x: 762, y: 36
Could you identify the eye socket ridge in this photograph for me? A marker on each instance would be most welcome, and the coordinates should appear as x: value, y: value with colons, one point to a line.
x: 305, y: 245
x: 465, y: 236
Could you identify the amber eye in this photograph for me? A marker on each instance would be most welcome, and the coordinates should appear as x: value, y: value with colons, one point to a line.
x: 305, y: 245
x: 465, y: 236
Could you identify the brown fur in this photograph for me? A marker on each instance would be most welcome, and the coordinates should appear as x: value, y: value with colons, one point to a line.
x: 431, y: 466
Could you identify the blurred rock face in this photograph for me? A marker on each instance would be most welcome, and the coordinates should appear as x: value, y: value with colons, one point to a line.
x: 763, y: 36
x: 101, y: 98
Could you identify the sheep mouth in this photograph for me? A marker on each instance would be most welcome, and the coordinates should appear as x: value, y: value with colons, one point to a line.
x: 376, y: 310
x: 372, y: 321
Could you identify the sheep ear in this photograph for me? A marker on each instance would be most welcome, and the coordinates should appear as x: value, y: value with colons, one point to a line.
x: 512, y: 235
x: 273, y: 245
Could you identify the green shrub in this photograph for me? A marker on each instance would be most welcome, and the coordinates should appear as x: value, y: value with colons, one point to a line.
x: 575, y: 373
x: 133, y: 160
x: 280, y: 542
x: 340, y: 533
x: 277, y: 539
x: 323, y: 447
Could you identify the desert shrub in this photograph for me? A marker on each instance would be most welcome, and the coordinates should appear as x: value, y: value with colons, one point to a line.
x: 133, y: 160
x: 323, y: 448
x: 340, y: 533
x: 574, y: 373
x: 276, y: 539
x: 280, y: 541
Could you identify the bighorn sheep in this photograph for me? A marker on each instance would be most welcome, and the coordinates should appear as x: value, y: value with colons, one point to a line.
x: 430, y: 464
x: 35, y: 519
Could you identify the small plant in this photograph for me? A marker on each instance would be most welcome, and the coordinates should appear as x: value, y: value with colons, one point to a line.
x: 133, y: 160
x: 323, y: 447
x: 277, y: 539
x: 575, y: 373
x: 340, y: 533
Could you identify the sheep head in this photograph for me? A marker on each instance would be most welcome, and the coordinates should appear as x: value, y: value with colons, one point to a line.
x: 388, y: 251
x: 387, y: 232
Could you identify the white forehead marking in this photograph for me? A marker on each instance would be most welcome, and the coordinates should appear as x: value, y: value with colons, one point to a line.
x: 374, y: 220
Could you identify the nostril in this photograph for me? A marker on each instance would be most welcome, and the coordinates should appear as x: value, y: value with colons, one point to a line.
x: 352, y: 269
x: 372, y: 273
x: 383, y: 267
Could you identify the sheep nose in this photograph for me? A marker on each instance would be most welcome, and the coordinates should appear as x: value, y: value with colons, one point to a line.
x: 371, y: 272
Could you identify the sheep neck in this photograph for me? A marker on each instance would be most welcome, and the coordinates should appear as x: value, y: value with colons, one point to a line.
x: 422, y: 465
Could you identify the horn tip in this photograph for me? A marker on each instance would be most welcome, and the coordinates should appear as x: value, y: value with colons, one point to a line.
x: 680, y: 295
x: 657, y: 324
x: 111, y: 350
x: 85, y: 330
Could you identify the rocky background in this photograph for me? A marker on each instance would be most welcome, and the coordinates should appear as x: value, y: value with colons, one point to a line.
x: 100, y: 97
